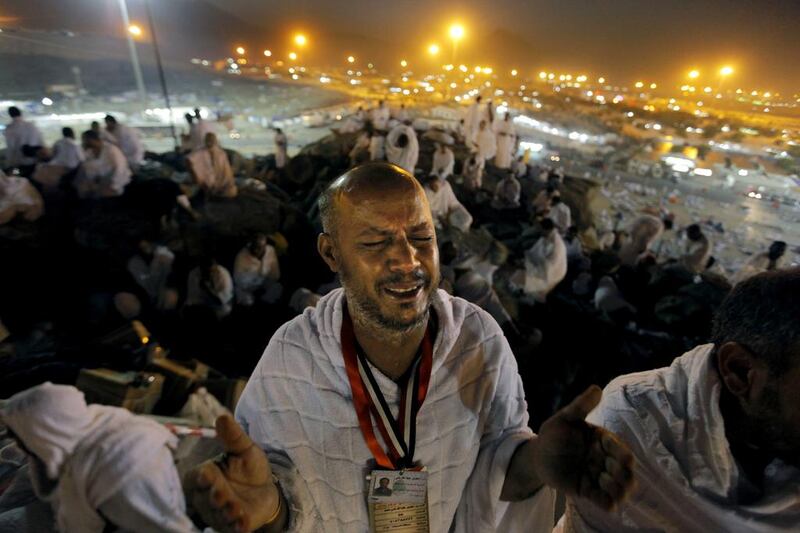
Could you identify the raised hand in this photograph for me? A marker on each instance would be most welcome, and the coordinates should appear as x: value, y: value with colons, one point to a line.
x: 581, y: 459
x: 234, y: 493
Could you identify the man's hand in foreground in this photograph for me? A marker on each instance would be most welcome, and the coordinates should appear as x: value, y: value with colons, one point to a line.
x: 234, y: 493
x: 574, y: 457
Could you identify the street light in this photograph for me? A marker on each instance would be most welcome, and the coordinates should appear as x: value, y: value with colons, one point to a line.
x: 351, y: 59
x: 300, y: 39
x: 135, y: 30
x: 293, y: 56
x: 403, y: 63
x: 433, y: 49
x: 694, y: 74
x: 726, y: 71
x: 456, y: 32
x: 240, y: 50
x: 514, y: 72
x: 268, y: 53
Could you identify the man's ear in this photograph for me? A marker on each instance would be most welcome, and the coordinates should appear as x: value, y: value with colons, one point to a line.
x: 327, y: 250
x: 738, y: 368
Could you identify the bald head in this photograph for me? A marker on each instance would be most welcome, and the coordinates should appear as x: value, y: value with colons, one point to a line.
x: 366, y: 183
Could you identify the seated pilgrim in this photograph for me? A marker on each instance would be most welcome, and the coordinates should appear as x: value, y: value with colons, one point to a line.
x: 402, y: 147
x: 443, y: 161
x: 18, y: 197
x: 716, y: 434
x: 100, y: 468
x: 211, y: 169
x: 545, y: 264
x: 256, y: 272
x: 105, y: 172
x: 210, y: 288
x: 507, y: 193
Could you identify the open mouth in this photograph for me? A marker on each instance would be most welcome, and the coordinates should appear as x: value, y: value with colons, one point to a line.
x: 405, y: 291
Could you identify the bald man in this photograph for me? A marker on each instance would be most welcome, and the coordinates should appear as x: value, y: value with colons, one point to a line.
x: 389, y: 377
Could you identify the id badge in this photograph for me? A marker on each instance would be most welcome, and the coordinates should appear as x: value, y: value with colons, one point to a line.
x: 398, y: 501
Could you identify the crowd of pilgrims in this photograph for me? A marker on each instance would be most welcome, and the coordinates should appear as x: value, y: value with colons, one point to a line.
x: 507, y: 238
x: 578, y: 304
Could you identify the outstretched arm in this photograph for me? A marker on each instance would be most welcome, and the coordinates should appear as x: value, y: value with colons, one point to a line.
x: 572, y: 456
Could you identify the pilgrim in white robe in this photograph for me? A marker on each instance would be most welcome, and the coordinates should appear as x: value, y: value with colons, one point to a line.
x: 377, y: 147
x: 507, y: 193
x: 251, y: 274
x: 545, y: 266
x: 561, y: 215
x: 644, y: 231
x: 697, y: 253
x: 472, y: 173
x: 216, y: 295
x: 130, y: 142
x: 687, y: 478
x: 21, y: 133
x: 380, y: 116
x: 297, y: 406
x: 485, y: 143
x: 67, y: 156
x: 757, y: 264
x: 67, y: 153
x: 212, y: 171
x: 152, y: 275
x: 472, y: 120
x: 443, y: 163
x: 281, y: 146
x: 19, y: 197
x: 97, y: 463
x: 445, y: 207
x: 506, y: 139
x: 406, y: 156
x: 103, y: 175
x: 198, y: 131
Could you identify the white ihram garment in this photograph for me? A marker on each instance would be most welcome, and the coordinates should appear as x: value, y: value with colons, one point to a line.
x: 445, y: 207
x: 405, y: 157
x: 129, y: 141
x: 504, y: 132
x: 688, y: 480
x: 545, y: 265
x: 298, y: 407
x: 443, y: 163
x: 105, y: 461
x: 18, y: 134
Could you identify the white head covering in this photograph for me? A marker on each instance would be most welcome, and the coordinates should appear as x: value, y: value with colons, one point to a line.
x: 92, y: 451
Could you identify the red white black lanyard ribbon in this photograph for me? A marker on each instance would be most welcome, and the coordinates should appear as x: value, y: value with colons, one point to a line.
x: 368, y: 401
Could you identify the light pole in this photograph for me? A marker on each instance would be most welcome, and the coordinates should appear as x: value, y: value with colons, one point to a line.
x: 130, y: 32
x: 161, y: 73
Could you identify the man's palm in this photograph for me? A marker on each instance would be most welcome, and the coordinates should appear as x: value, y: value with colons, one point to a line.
x: 236, y: 492
x: 581, y: 459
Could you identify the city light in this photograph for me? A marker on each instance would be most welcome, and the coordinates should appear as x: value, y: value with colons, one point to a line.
x: 240, y: 50
x: 47, y: 101
x: 513, y: 72
x: 726, y: 71
x: 653, y: 86
x: 135, y: 30
x: 456, y: 32
x: 601, y: 80
x: 268, y: 53
x: 300, y: 39
x: 351, y: 59
x: 694, y: 74
x: 292, y: 56
x: 403, y: 63
x: 433, y: 49
x: 639, y: 85
x: 543, y: 75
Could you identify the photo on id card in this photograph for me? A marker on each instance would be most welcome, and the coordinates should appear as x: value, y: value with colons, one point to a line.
x: 398, y: 486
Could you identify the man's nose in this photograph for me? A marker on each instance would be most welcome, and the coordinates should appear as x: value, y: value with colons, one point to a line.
x: 403, y: 256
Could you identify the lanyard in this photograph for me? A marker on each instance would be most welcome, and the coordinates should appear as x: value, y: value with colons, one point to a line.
x: 368, y: 401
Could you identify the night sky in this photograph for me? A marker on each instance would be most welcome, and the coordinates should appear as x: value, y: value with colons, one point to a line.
x: 624, y: 40
x: 629, y: 38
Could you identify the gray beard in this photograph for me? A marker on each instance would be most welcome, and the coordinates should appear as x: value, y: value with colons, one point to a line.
x: 367, y: 313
